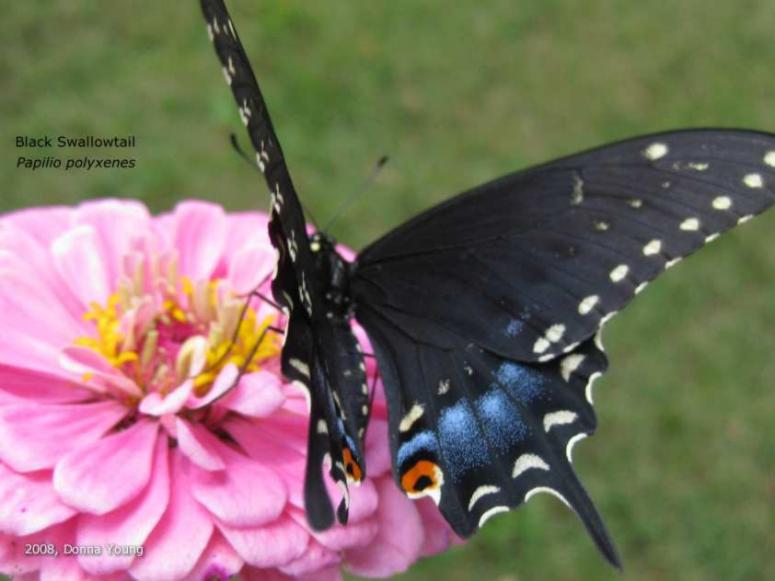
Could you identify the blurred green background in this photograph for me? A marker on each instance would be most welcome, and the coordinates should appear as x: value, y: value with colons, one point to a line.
x: 683, y: 465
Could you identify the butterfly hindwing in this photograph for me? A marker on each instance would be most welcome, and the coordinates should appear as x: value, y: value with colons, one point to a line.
x: 479, y: 433
x: 532, y: 264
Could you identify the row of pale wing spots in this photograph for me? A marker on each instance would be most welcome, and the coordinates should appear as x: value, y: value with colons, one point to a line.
x: 523, y: 463
x: 654, y: 247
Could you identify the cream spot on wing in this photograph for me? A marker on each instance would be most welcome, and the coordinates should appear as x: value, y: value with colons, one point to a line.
x: 322, y: 427
x: 547, y: 490
x: 640, y: 287
x: 745, y: 219
x: 602, y: 226
x: 572, y: 442
x: 722, y: 203
x: 655, y: 151
x: 769, y: 158
x: 618, y: 273
x: 483, y: 490
x: 635, y: 202
x: 414, y: 414
x: 607, y: 317
x: 590, y: 385
x: 599, y: 339
x: 698, y: 166
x: 488, y: 514
x: 753, y: 180
x: 555, y: 333
x: 712, y: 237
x: 587, y: 304
x: 443, y: 386
x: 652, y: 248
x: 672, y: 263
x: 541, y: 345
x: 570, y: 364
x: 577, y: 195
x: 559, y: 418
x: 527, y: 462
x: 690, y: 225
x: 299, y: 366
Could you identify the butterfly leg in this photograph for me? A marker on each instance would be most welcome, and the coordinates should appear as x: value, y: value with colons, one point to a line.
x: 243, y: 368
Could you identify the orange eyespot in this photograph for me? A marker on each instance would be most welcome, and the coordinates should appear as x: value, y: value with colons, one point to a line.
x: 354, y: 471
x: 421, y: 478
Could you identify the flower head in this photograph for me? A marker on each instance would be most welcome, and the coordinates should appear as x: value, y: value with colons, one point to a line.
x: 145, y: 428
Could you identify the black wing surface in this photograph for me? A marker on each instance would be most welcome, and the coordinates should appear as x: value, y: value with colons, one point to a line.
x: 317, y: 355
x: 485, y: 311
x: 479, y: 433
x: 530, y: 265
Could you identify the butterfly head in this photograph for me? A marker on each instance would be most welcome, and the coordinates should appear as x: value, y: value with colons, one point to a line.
x: 321, y: 243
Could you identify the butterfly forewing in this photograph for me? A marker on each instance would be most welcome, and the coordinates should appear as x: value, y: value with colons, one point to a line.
x: 317, y: 352
x: 531, y: 264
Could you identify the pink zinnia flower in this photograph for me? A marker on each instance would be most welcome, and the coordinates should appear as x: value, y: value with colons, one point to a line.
x: 118, y: 430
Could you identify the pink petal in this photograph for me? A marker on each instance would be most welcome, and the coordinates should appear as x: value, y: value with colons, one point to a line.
x: 399, y: 540
x: 130, y: 524
x: 80, y: 262
x: 27, y: 304
x: 285, y: 452
x: 41, y: 435
x: 33, y: 259
x: 378, y: 460
x: 277, y: 543
x: 195, y: 223
x: 45, y: 223
x: 218, y: 561
x: 19, y: 349
x: 438, y: 534
x: 28, y: 502
x: 258, y: 394
x: 223, y: 383
x: 176, y: 544
x: 101, y: 476
x: 341, y: 537
x: 246, y: 228
x: 329, y: 574
x: 40, y: 387
x: 154, y: 404
x: 250, y: 265
x: 199, y: 445
x: 244, y: 494
x: 103, y: 377
x: 315, y: 558
x: 12, y: 557
x: 116, y: 224
x: 13, y: 561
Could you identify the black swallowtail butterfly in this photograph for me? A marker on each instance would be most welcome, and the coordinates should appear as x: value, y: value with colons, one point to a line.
x: 485, y: 311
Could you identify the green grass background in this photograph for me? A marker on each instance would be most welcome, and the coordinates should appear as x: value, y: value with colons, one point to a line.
x: 683, y: 463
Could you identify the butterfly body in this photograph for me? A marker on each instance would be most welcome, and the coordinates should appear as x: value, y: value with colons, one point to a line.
x: 485, y: 312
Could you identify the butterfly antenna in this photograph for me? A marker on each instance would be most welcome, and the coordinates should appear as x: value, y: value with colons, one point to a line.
x: 347, y: 202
